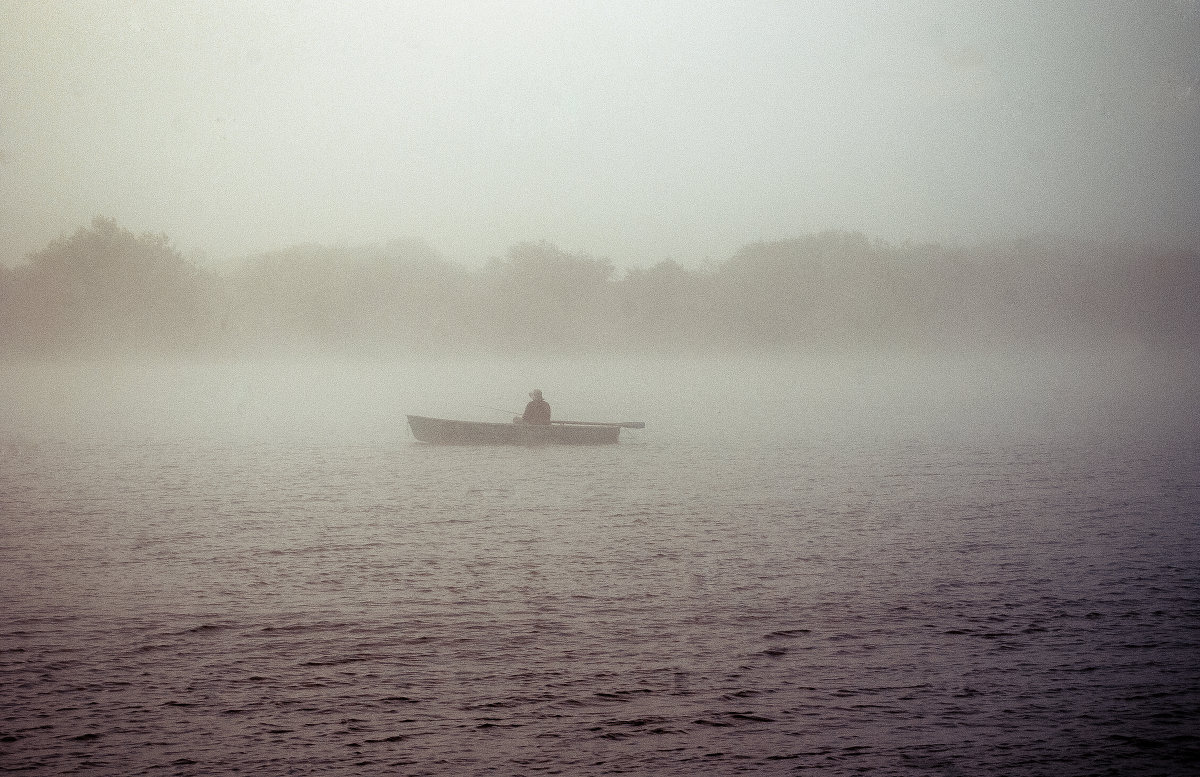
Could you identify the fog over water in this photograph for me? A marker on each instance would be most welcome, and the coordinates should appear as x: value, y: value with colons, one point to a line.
x: 899, y: 563
x: 822, y: 398
x: 905, y: 297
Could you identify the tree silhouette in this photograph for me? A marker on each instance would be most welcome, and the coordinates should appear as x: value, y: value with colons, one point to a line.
x: 104, y: 287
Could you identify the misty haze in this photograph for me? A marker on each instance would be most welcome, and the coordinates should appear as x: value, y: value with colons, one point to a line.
x: 896, y: 308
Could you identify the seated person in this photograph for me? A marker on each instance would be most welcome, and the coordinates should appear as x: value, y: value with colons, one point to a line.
x: 537, y: 411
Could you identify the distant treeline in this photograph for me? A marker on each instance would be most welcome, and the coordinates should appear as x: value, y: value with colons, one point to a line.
x: 105, y: 290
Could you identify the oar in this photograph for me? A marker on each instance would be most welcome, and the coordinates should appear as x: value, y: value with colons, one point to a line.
x: 622, y: 424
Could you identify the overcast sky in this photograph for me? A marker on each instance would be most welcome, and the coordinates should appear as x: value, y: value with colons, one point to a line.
x: 637, y: 131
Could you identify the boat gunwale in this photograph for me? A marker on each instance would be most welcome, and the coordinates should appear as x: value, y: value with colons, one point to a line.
x: 450, y: 431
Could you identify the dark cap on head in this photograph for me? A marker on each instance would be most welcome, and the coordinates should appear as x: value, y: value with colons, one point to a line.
x: 535, y: 394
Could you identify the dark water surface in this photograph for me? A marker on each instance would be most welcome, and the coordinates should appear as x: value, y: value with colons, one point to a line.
x: 218, y: 570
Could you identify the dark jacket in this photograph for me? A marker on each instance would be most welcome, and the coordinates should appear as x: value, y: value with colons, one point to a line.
x: 537, y: 412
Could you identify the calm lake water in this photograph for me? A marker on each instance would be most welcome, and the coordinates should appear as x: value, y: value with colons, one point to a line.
x: 886, y: 565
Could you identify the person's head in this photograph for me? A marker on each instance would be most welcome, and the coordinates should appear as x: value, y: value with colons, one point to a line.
x: 536, y: 394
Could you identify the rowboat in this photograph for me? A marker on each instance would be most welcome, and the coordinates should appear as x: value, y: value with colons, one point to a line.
x: 444, y: 431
